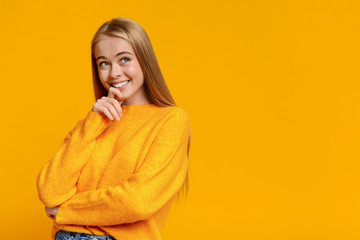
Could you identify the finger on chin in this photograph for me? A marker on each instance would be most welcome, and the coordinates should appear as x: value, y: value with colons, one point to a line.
x: 118, y: 96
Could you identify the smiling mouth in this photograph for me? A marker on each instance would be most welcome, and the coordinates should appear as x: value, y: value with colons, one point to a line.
x: 120, y: 84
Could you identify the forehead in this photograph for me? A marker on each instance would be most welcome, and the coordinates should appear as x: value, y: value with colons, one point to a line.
x: 110, y: 46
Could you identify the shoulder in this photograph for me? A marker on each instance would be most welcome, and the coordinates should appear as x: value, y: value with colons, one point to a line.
x: 175, y: 122
x: 175, y: 115
x: 175, y: 112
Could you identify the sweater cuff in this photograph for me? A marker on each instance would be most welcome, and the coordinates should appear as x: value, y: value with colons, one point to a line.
x: 94, y: 124
x: 61, y: 215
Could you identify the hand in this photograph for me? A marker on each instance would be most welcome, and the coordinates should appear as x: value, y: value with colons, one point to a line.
x: 51, y: 212
x: 110, y: 106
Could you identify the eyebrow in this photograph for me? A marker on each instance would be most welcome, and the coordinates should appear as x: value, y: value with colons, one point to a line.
x: 118, y: 54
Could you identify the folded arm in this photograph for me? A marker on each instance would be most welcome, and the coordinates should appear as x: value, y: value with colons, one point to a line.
x: 158, y: 179
x: 56, y: 182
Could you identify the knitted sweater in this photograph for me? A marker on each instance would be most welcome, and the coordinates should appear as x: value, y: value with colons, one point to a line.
x: 118, y: 178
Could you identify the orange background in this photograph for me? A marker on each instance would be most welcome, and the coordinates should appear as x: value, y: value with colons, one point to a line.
x: 272, y: 89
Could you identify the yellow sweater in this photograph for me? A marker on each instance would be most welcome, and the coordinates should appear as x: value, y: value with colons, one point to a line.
x: 118, y: 178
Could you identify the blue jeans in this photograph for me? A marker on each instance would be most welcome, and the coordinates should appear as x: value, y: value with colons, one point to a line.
x: 65, y: 235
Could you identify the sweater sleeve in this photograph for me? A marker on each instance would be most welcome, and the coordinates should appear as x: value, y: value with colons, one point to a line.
x: 56, y: 181
x: 157, y: 180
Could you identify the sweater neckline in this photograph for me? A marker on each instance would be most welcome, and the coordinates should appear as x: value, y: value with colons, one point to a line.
x: 137, y: 105
x: 137, y: 108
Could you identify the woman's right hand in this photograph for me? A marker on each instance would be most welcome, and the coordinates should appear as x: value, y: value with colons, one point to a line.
x: 110, y: 106
x: 51, y: 212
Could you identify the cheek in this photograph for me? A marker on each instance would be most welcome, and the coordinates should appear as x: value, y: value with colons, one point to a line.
x: 135, y: 71
x: 103, y: 76
x: 131, y: 70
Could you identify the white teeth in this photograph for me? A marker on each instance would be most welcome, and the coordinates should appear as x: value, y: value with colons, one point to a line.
x: 120, y: 84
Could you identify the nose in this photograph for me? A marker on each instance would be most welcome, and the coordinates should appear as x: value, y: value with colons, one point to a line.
x: 116, y: 71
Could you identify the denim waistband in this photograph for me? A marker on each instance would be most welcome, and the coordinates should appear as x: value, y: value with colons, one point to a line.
x: 66, y: 235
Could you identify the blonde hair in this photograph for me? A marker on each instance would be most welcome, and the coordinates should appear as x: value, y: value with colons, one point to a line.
x: 154, y: 83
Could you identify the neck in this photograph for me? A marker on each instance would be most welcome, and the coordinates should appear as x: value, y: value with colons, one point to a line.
x: 141, y: 98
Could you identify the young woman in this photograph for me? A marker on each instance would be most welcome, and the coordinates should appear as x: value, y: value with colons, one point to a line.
x: 119, y: 170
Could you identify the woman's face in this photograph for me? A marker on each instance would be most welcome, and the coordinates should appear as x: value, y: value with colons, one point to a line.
x: 118, y: 67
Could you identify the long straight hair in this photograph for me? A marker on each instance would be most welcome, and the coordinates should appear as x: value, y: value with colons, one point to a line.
x: 154, y: 83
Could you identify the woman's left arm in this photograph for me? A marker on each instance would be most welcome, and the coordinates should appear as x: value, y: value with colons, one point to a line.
x: 157, y: 180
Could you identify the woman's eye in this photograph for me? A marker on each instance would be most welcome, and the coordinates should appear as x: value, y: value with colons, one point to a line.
x: 125, y: 60
x: 103, y: 64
